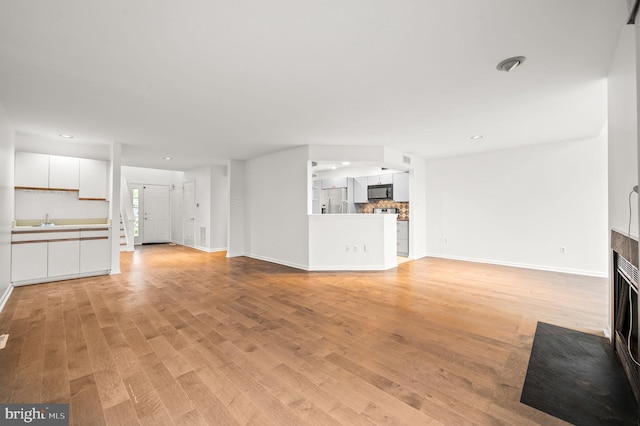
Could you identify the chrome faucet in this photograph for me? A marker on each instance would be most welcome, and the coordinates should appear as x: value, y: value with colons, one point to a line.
x: 46, y: 218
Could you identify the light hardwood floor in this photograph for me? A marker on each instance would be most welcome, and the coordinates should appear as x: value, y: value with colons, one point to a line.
x: 185, y: 337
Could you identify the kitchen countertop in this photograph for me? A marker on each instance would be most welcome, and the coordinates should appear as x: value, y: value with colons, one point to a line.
x: 39, y: 228
x: 60, y: 223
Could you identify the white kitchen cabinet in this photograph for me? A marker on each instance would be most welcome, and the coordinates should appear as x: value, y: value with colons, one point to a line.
x: 64, y: 172
x: 401, y: 187
x: 63, y: 257
x: 334, y: 183
x: 95, y: 251
x: 360, y: 190
x: 93, y: 179
x: 42, y: 255
x: 379, y: 179
x: 31, y: 170
x: 402, y: 240
x: 28, y: 261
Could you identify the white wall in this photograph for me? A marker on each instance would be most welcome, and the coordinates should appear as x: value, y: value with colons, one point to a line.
x: 150, y: 176
x: 277, y: 226
x: 623, y: 133
x: 33, y: 205
x: 352, y: 242
x: 237, y: 209
x: 219, y: 208
x: 212, y: 207
x: 519, y: 206
x: 418, y: 209
x: 115, y: 175
x: 65, y: 147
x: 7, y: 149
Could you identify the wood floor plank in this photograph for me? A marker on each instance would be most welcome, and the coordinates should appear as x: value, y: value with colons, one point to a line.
x: 207, y: 404
x: 142, y: 394
x: 184, y: 337
x: 84, y: 402
x: 121, y: 414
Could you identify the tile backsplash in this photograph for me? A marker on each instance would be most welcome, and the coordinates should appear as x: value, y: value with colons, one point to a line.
x: 403, y: 208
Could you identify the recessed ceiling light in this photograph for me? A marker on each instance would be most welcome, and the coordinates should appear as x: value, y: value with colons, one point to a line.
x: 63, y: 135
x: 346, y: 163
x: 510, y: 64
x: 333, y: 167
x: 167, y: 158
x: 476, y: 137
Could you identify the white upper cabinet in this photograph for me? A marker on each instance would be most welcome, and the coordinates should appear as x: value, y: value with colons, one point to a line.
x: 401, y: 187
x: 32, y: 170
x: 64, y: 172
x: 380, y: 179
x: 93, y: 179
x: 334, y: 183
x: 360, y: 190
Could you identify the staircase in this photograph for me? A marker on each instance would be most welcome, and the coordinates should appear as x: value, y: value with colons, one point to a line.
x: 126, y: 217
x: 124, y: 246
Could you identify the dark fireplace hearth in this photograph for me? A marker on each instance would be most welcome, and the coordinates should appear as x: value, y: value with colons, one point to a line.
x: 625, y: 306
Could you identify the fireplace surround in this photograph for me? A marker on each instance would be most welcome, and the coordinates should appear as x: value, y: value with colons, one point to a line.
x: 625, y: 295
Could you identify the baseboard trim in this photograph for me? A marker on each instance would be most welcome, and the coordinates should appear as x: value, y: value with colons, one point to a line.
x: 524, y: 265
x: 66, y: 277
x: 5, y: 297
x: 235, y: 254
x: 279, y: 262
x: 213, y: 250
x: 352, y: 268
x: 204, y: 249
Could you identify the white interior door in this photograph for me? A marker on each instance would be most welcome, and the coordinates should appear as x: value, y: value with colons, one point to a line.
x: 189, y: 213
x: 156, y: 214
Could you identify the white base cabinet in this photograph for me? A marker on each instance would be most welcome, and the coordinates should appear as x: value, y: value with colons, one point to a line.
x: 28, y: 261
x: 63, y: 258
x: 403, y: 238
x: 53, y: 254
x: 95, y: 253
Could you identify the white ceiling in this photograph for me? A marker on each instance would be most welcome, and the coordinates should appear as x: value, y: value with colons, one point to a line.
x: 203, y: 81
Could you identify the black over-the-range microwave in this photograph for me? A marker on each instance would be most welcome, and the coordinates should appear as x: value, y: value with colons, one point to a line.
x: 380, y: 192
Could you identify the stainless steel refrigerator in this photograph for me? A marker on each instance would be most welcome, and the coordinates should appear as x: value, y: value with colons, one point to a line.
x: 334, y: 201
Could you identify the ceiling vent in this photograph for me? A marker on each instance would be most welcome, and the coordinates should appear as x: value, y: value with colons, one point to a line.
x: 510, y: 64
x: 406, y: 159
